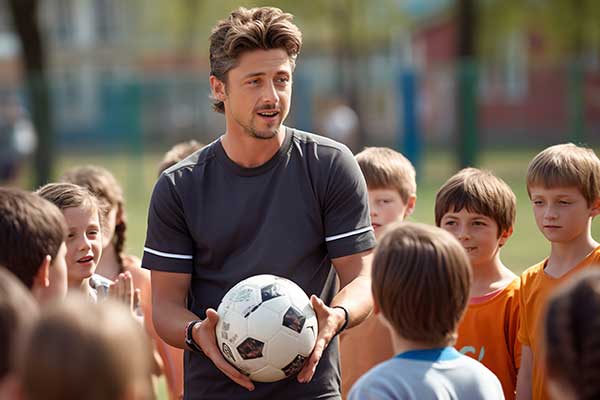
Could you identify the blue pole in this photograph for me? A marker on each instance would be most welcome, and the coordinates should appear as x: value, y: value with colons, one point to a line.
x: 409, y: 131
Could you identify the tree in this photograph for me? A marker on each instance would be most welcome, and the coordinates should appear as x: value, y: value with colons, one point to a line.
x: 25, y: 20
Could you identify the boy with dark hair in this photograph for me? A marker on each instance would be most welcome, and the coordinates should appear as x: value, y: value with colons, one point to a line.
x: 479, y: 210
x: 392, y: 189
x: 32, y: 243
x: 420, y: 282
x: 563, y: 183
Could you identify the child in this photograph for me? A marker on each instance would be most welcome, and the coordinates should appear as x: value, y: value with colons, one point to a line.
x: 81, y: 350
x: 479, y: 210
x: 103, y: 185
x: 563, y: 183
x: 32, y: 243
x: 571, y: 339
x: 177, y: 153
x: 18, y: 310
x: 420, y: 282
x: 392, y: 195
x: 84, y: 240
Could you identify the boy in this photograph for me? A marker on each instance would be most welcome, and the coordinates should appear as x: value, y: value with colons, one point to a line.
x: 32, y: 243
x: 563, y: 183
x: 479, y: 210
x: 392, y: 191
x: 18, y: 311
x: 177, y: 153
x: 420, y: 282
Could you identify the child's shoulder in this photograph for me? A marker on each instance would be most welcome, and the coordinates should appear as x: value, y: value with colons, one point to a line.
x: 532, y: 273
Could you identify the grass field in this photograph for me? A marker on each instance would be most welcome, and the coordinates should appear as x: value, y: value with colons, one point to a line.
x: 526, y: 247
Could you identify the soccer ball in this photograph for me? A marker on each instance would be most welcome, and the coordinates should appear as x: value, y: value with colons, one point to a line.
x: 267, y: 327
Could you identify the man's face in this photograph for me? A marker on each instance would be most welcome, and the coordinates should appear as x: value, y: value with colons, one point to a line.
x: 257, y: 93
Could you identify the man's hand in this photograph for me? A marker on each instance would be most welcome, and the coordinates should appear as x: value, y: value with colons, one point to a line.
x: 330, y: 321
x: 204, y: 335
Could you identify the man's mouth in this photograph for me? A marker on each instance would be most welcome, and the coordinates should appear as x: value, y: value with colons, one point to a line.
x: 268, y: 113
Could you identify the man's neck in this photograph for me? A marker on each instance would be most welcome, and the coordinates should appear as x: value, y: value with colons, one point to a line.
x: 249, y: 152
x: 566, y: 256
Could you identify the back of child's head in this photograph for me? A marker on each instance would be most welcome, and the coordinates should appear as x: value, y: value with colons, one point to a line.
x: 384, y: 168
x: 177, y: 153
x: 572, y: 339
x: 82, y: 350
x: 421, y: 280
x: 68, y: 195
x: 31, y: 228
x: 105, y: 187
x: 566, y: 165
x: 17, y: 313
x: 480, y: 192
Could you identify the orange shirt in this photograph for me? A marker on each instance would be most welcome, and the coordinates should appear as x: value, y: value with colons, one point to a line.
x: 488, y: 333
x: 361, y: 348
x: 536, y: 286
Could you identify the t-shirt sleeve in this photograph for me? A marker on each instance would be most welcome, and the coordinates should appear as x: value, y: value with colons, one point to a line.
x: 169, y: 245
x: 346, y: 209
x: 522, y: 336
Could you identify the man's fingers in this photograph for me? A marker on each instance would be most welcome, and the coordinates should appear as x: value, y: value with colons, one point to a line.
x: 310, y: 366
x: 232, y: 373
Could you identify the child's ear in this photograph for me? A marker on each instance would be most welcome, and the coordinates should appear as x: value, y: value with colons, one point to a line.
x: 42, y: 278
x: 410, y: 205
x: 218, y: 88
x: 595, y: 209
x: 505, y: 235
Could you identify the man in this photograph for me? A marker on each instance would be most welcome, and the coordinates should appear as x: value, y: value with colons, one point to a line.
x: 263, y: 198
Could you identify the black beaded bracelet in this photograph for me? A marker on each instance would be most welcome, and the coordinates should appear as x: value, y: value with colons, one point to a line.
x: 347, y: 318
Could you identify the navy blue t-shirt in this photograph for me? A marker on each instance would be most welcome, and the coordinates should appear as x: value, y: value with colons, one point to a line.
x: 222, y: 223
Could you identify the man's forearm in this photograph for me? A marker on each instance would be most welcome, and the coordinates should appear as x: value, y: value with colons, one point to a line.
x: 170, y: 321
x: 357, y: 299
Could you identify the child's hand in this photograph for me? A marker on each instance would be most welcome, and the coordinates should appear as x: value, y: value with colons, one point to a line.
x: 122, y: 289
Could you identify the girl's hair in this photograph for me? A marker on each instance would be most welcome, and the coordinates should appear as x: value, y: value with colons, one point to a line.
x: 68, y: 195
x: 81, y: 350
x: 572, y: 342
x: 102, y: 184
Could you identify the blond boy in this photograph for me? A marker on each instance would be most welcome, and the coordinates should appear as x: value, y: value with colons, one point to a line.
x: 478, y: 209
x: 420, y: 282
x: 563, y: 183
x: 392, y: 191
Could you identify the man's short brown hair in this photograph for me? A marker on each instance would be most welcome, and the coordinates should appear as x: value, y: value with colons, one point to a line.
x: 261, y: 28
x: 421, y: 280
x: 31, y: 228
x: 479, y: 192
x: 566, y: 165
x: 384, y: 168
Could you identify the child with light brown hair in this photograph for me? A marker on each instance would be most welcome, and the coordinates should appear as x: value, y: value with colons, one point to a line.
x: 177, y: 153
x: 114, y: 261
x: 563, y: 183
x: 81, y: 350
x: 479, y: 209
x: 392, y: 190
x: 421, y: 280
x: 82, y: 213
x: 571, y: 344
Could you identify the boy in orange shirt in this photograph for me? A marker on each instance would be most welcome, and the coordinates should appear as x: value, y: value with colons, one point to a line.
x: 392, y: 191
x: 479, y: 210
x: 563, y: 183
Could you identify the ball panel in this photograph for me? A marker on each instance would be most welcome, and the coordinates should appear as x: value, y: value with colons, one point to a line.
x: 250, y: 348
x: 295, y: 366
x: 268, y: 374
x: 282, y: 348
x: 263, y: 324
x: 294, y: 319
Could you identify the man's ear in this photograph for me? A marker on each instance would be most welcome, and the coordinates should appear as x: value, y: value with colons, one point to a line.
x: 218, y: 89
x: 505, y: 235
x: 410, y: 205
x: 42, y: 278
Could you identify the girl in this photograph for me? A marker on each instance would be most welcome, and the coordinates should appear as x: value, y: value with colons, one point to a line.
x: 114, y: 261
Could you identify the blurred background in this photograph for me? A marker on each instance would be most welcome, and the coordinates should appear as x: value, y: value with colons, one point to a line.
x: 449, y: 83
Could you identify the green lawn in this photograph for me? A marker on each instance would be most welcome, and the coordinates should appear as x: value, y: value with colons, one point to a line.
x: 527, y: 246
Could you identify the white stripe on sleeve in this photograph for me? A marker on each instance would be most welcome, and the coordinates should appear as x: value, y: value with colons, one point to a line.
x: 168, y: 255
x: 343, y: 235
